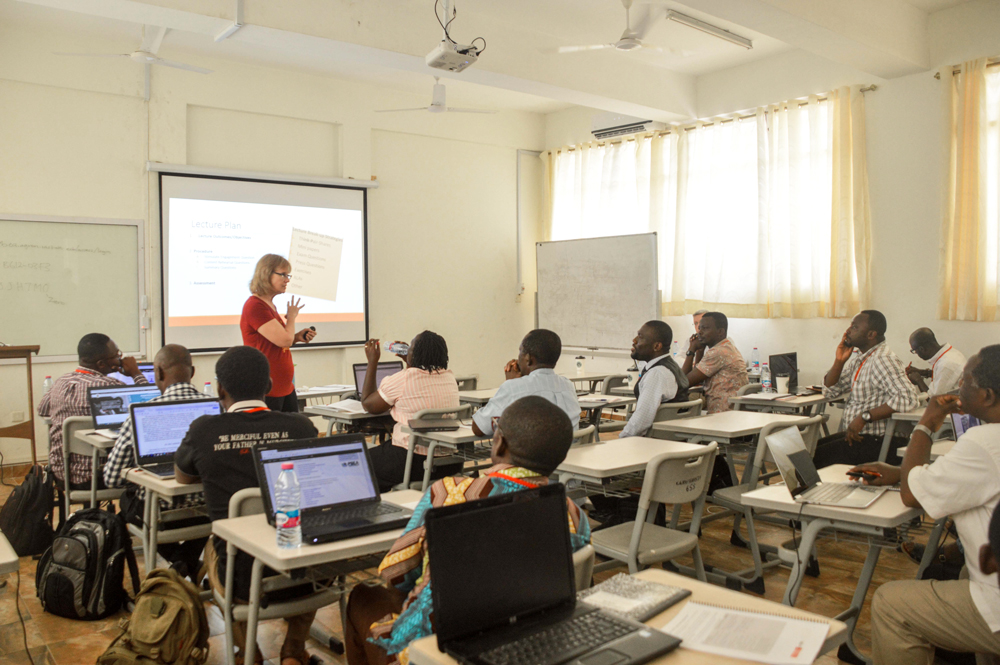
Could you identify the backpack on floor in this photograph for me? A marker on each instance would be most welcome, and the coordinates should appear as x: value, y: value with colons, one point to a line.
x: 26, y: 517
x: 167, y: 626
x: 80, y: 576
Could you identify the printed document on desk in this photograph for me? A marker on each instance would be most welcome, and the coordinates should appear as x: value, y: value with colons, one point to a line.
x: 348, y: 406
x: 746, y: 634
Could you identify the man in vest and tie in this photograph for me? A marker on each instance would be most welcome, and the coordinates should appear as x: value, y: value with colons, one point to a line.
x: 660, y: 378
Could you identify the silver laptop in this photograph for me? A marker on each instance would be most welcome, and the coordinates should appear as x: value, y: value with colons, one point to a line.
x: 796, y: 467
x: 383, y: 370
x: 109, y: 405
x: 159, y: 427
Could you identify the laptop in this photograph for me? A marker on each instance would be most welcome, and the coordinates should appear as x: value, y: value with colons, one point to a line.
x: 381, y: 371
x: 513, y: 552
x: 109, y: 405
x: 441, y: 425
x: 145, y: 368
x: 962, y: 422
x: 340, y: 497
x: 796, y: 467
x: 786, y: 364
x: 159, y: 427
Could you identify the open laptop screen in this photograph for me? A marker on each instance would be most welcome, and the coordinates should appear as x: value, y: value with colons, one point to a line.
x: 329, y: 473
x: 159, y: 427
x: 514, y: 546
x: 794, y: 464
x: 962, y: 422
x: 145, y: 368
x: 110, y: 405
x: 383, y: 370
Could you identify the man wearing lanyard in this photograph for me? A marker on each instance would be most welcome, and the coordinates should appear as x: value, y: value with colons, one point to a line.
x: 877, y: 382
x: 946, y: 363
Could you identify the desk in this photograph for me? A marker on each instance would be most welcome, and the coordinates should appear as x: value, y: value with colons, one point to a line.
x: 593, y: 404
x: 476, y: 398
x: 253, y: 535
x: 912, y: 416
x: 722, y: 427
x: 888, y: 512
x: 800, y: 404
x: 598, y: 462
x: 162, y: 488
x: 589, y: 377
x: 98, y: 445
x: 335, y: 390
x: 938, y: 449
x: 337, y: 416
x: 451, y: 439
x: 8, y: 557
x: 425, y: 651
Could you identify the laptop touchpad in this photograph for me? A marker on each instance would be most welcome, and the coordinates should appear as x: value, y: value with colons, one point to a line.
x: 606, y: 657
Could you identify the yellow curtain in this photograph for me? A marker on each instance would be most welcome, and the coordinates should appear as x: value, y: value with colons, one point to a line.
x: 968, y: 290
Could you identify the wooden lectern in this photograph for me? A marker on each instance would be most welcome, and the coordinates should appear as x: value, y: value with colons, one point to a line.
x: 26, y: 429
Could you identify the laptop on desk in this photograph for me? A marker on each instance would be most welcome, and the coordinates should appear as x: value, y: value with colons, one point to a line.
x: 109, y: 405
x: 381, y: 371
x: 961, y: 422
x: 146, y: 369
x: 797, y: 469
x: 159, y: 427
x: 340, y: 497
x: 504, y: 590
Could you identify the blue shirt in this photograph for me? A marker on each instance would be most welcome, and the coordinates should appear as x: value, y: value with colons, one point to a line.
x: 542, y: 382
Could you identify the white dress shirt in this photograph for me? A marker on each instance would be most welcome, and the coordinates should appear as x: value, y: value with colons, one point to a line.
x: 946, y: 369
x: 542, y: 382
x: 656, y: 386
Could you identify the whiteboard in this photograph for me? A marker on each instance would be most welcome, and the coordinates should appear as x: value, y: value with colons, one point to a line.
x: 61, y: 278
x: 596, y: 292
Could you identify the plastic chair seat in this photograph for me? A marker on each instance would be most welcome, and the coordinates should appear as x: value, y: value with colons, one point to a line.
x: 656, y: 544
x: 731, y: 497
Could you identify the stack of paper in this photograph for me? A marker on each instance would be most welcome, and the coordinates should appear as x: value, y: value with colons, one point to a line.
x: 348, y: 406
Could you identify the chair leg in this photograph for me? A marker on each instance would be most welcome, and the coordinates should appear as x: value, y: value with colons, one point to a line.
x: 699, y: 565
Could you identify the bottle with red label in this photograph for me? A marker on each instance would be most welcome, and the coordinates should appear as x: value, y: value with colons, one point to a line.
x: 288, y: 499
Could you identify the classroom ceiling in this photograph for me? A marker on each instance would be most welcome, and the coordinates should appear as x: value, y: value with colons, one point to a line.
x: 384, y: 41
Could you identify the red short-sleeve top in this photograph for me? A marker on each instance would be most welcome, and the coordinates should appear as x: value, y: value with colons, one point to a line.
x: 256, y: 313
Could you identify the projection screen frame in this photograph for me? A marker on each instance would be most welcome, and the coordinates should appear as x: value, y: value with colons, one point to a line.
x: 362, y: 187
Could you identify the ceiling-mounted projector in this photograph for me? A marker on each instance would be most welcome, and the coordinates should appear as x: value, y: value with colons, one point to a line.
x: 452, y: 57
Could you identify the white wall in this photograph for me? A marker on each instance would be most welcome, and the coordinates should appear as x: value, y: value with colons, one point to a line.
x: 76, y: 135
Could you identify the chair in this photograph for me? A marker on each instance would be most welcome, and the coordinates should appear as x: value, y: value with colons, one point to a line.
x: 749, y: 389
x: 671, y: 478
x: 458, y: 412
x: 731, y: 498
x: 610, y: 382
x: 467, y: 382
x: 248, y: 502
x: 73, y: 446
x: 585, y: 435
x: 583, y: 567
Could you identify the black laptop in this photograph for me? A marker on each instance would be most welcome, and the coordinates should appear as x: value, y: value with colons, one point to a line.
x: 159, y: 427
x: 340, y: 497
x: 109, y: 405
x: 504, y: 591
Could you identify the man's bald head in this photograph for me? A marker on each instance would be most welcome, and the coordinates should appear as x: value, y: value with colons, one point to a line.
x: 172, y: 364
x: 924, y: 343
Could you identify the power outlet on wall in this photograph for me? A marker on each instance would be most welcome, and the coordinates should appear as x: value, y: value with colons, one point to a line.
x: 17, y: 416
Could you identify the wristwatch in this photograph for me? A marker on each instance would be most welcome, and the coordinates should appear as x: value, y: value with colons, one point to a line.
x: 866, y: 416
x: 690, y: 353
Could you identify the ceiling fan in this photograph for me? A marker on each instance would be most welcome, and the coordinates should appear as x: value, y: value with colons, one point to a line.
x: 438, y: 104
x: 632, y: 38
x: 152, y: 38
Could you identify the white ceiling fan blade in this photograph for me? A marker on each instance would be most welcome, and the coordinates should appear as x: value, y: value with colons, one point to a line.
x: 95, y: 55
x: 453, y: 109
x: 579, y: 49
x: 419, y: 108
x: 152, y: 37
x: 180, y: 65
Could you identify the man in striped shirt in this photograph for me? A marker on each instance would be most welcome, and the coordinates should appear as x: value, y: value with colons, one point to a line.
x: 99, y: 356
x: 174, y: 371
x: 878, y: 388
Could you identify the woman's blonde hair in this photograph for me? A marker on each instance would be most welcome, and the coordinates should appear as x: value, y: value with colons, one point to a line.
x: 268, y: 265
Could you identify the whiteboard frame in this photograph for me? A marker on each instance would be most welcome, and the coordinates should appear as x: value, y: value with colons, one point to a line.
x: 141, y: 299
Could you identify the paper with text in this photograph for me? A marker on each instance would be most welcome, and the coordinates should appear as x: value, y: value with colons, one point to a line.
x: 315, y: 260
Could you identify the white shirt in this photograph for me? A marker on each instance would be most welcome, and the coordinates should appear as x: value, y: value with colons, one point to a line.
x: 965, y: 483
x: 542, y: 382
x: 946, y: 369
x: 656, y: 386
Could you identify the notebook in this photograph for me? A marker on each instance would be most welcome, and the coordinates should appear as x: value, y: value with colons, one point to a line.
x: 109, y: 405
x: 381, y: 371
x: 340, y: 497
x: 504, y: 591
x: 159, y: 427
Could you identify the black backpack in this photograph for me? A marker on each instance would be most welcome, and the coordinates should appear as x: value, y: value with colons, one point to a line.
x: 81, y: 575
x: 26, y: 517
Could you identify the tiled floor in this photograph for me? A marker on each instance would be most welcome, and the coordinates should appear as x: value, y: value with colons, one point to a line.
x: 61, y: 641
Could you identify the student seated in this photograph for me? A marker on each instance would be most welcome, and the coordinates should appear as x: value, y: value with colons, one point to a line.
x: 530, y: 441
x: 98, y: 357
x: 173, y: 369
x: 713, y: 360
x: 910, y: 618
x: 426, y: 383
x: 215, y: 452
x: 531, y: 373
x: 946, y: 363
x: 660, y: 379
x: 878, y: 388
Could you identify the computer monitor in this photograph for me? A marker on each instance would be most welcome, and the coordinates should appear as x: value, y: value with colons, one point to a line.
x: 145, y: 368
x: 109, y: 405
x: 785, y: 364
x: 159, y: 427
x: 383, y: 370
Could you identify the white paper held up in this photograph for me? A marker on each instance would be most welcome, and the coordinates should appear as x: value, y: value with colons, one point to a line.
x: 315, y: 260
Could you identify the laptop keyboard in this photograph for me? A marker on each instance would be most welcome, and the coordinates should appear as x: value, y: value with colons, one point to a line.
x: 367, y: 511
x: 560, y: 642
x: 829, y: 493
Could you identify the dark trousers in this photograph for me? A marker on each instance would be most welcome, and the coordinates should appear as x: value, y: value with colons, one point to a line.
x: 835, y: 449
x: 389, y: 463
x: 289, y: 403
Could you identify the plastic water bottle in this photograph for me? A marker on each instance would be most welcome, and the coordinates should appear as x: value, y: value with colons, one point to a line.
x: 677, y: 352
x: 765, y: 379
x: 208, y: 389
x: 47, y: 386
x: 288, y: 498
x: 399, y: 348
x: 755, y: 362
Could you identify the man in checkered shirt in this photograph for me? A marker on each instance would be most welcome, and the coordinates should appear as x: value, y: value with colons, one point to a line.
x: 174, y: 370
x: 878, y: 387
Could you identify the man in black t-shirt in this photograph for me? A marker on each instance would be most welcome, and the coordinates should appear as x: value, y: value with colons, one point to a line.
x: 217, y: 453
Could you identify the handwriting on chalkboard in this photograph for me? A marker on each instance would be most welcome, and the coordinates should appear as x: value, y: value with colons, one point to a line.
x: 25, y: 287
x: 28, y: 245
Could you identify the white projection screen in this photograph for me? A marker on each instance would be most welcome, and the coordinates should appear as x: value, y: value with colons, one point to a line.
x: 214, y: 230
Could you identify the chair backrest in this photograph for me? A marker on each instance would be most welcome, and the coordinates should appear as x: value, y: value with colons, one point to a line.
x: 247, y: 501
x: 584, y: 435
x: 467, y: 382
x: 613, y: 381
x: 71, y: 444
x: 678, y: 410
x: 810, y: 428
x: 678, y: 477
x: 458, y: 412
x: 749, y: 389
x: 583, y: 567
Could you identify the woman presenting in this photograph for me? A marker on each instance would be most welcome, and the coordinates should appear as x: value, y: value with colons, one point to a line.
x: 265, y: 330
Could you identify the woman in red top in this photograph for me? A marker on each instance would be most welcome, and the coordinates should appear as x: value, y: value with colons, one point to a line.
x: 265, y: 330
